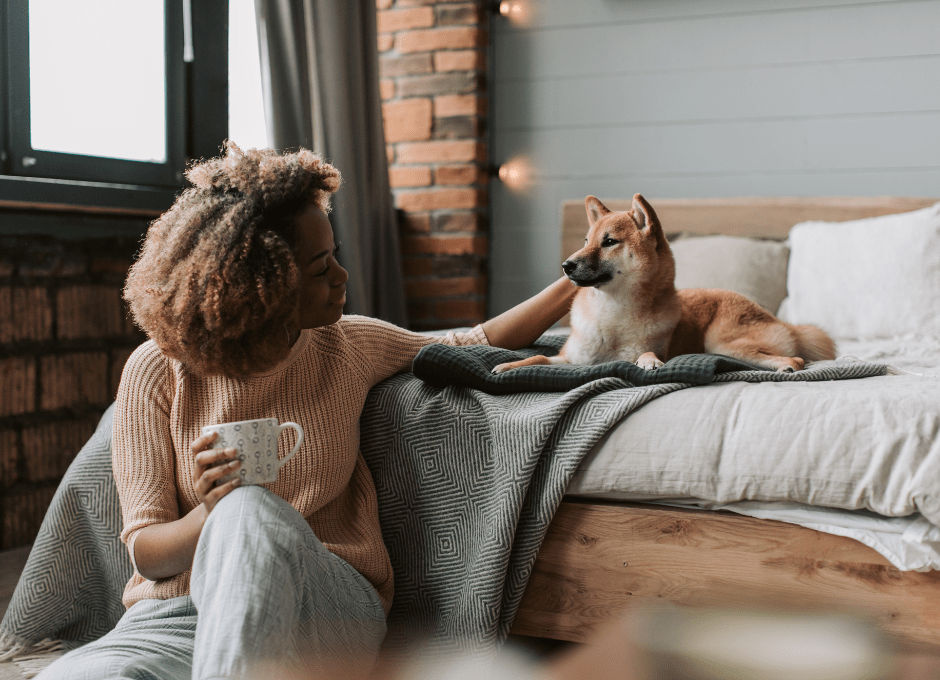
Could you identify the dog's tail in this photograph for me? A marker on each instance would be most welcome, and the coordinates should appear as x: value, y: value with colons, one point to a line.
x: 814, y: 344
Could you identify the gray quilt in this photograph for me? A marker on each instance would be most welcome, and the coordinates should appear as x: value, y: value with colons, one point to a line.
x: 468, y: 482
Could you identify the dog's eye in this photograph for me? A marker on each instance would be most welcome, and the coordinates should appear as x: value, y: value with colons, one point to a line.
x: 608, y: 242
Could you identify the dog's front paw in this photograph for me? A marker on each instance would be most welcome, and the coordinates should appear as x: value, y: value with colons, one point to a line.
x: 648, y: 361
x: 501, y: 368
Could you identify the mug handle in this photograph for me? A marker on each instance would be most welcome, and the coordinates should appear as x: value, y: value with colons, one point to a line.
x: 300, y: 440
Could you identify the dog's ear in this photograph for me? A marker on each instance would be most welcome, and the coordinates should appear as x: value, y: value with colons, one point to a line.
x: 645, y: 215
x: 595, y: 209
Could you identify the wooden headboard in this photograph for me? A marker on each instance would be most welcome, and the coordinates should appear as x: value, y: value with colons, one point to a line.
x: 757, y: 217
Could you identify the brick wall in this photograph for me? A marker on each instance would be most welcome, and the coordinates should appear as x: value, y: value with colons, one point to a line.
x: 64, y: 331
x: 64, y: 338
x: 432, y: 59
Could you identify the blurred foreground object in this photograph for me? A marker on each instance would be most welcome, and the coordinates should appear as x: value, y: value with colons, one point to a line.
x: 718, y: 644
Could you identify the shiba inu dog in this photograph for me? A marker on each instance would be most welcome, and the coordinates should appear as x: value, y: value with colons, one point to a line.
x: 628, y: 308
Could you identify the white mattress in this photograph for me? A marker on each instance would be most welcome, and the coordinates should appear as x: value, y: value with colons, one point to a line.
x: 857, y: 458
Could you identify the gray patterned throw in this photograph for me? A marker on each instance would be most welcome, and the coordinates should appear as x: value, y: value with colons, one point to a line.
x: 468, y: 482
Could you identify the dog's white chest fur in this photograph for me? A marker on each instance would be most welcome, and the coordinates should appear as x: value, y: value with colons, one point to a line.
x: 610, y: 330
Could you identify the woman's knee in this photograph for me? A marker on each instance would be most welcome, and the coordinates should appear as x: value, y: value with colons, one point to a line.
x: 249, y: 505
x: 255, y: 515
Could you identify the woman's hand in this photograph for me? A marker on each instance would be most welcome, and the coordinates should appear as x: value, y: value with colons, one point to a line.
x: 212, y: 465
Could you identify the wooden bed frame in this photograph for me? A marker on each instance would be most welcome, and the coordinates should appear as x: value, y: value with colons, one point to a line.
x: 600, y: 558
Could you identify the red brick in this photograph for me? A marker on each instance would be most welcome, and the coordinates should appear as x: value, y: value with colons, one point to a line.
x: 440, y: 83
x: 74, y: 380
x: 465, y: 285
x: 17, y: 385
x: 409, y: 176
x: 25, y: 314
x: 50, y: 448
x: 414, y: 223
x: 467, y: 264
x: 417, y: 266
x: 457, y: 127
x: 23, y: 512
x: 407, y: 65
x: 459, y: 105
x: 9, y: 452
x: 444, y: 245
x: 385, y: 42
x: 440, y: 199
x: 53, y: 262
x: 386, y: 89
x: 420, y: 310
x: 89, y: 312
x: 390, y: 153
x: 110, y: 265
x: 453, y: 15
x: 407, y: 120
x: 461, y: 309
x: 441, y: 152
x: 459, y: 174
x: 459, y: 220
x: 383, y: 4
x: 6, y: 268
x: 427, y: 40
x: 129, y: 326
x: 390, y: 21
x: 460, y: 60
x: 119, y: 357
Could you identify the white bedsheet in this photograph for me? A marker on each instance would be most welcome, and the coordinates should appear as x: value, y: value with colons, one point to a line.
x: 857, y: 458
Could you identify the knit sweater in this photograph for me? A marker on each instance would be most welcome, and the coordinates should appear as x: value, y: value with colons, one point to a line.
x: 322, y: 385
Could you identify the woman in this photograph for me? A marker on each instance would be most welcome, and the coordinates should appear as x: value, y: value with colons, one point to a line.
x: 241, y: 295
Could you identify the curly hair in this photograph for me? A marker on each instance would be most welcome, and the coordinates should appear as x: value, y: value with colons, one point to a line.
x: 216, y: 284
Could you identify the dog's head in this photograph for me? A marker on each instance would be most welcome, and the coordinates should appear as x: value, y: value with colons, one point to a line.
x: 621, y: 247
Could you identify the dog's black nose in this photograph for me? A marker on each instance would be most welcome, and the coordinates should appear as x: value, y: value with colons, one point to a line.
x: 568, y: 266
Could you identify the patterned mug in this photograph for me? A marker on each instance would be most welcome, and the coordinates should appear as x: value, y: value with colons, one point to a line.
x: 255, y: 442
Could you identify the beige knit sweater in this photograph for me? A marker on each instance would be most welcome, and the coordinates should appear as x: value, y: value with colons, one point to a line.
x: 322, y: 385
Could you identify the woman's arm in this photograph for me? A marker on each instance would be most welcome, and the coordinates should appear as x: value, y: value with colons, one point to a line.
x: 164, y: 550
x: 523, y: 324
x: 383, y: 349
x: 144, y: 463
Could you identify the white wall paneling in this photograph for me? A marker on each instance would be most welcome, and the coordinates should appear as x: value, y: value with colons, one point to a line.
x: 680, y: 98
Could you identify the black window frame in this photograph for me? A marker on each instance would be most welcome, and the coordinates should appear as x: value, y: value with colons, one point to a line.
x: 197, y: 122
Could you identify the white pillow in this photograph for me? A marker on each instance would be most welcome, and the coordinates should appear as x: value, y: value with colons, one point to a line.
x: 876, y: 277
x: 753, y: 268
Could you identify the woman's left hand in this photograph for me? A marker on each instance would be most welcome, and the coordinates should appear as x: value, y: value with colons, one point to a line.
x: 211, y: 466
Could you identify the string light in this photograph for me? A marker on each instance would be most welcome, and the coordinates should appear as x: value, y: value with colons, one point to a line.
x: 516, y: 173
x: 517, y: 11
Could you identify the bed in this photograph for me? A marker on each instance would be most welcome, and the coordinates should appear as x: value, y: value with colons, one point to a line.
x: 634, y: 542
x: 469, y: 481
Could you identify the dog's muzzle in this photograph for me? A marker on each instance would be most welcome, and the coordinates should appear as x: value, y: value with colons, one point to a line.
x: 584, y: 279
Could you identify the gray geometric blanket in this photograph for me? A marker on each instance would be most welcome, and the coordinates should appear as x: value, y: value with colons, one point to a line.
x: 467, y: 483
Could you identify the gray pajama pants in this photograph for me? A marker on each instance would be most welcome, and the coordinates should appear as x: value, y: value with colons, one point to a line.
x: 267, y: 600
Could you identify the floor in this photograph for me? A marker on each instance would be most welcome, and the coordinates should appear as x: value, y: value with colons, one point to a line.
x: 914, y: 667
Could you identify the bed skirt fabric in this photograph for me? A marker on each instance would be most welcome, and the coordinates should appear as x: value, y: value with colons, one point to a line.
x: 467, y: 484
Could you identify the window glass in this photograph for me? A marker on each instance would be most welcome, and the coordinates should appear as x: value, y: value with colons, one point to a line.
x: 97, y: 78
x: 245, y: 101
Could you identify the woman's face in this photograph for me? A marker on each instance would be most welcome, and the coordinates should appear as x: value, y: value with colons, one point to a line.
x: 322, y: 279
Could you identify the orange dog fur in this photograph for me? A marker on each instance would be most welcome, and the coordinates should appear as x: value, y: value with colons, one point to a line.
x: 628, y: 308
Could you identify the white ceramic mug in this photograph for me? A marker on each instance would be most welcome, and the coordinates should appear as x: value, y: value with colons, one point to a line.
x: 255, y: 442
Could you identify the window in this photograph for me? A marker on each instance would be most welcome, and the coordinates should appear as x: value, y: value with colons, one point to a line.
x: 245, y: 101
x: 103, y: 101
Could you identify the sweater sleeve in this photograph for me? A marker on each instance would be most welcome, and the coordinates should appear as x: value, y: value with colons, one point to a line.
x: 143, y: 456
x: 388, y: 349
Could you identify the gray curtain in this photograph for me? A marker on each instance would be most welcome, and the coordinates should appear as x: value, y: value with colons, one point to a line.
x: 319, y: 72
